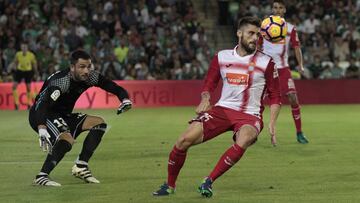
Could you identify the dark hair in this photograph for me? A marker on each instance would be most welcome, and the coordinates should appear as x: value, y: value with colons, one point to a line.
x: 76, y: 55
x: 249, y: 20
x: 280, y: 2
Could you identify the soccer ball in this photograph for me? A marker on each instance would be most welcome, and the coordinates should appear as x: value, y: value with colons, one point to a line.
x: 273, y: 28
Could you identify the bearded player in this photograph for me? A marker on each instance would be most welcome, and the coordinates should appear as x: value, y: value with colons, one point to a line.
x: 53, y: 119
x: 246, y: 74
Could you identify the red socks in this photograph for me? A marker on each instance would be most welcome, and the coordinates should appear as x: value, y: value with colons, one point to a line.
x: 227, y: 160
x: 176, y: 161
x: 297, y: 117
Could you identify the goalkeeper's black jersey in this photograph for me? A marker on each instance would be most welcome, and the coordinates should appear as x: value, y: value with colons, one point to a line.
x: 60, y: 92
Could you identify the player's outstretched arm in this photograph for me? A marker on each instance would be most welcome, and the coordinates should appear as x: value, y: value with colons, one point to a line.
x: 299, y: 58
x: 120, y: 92
x: 211, y: 81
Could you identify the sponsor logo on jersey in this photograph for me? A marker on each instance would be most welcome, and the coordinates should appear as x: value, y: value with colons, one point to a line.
x: 228, y: 65
x: 237, y: 78
x: 55, y: 95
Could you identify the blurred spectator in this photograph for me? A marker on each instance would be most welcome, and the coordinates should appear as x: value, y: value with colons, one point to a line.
x: 315, y: 68
x: 352, y: 72
x: 8, y: 56
x: 341, y: 48
x: 117, y: 69
x: 310, y: 24
x: 121, y: 51
x: 73, y: 40
x: 70, y: 11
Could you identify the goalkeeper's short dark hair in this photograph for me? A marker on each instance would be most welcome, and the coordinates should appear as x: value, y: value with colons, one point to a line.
x: 76, y: 55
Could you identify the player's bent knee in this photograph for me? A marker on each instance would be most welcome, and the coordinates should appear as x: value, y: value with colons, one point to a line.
x: 97, y: 121
x: 183, y: 143
x: 101, y: 127
x: 246, y: 136
x: 67, y: 137
x: 92, y: 121
x: 100, y: 120
x: 192, y: 136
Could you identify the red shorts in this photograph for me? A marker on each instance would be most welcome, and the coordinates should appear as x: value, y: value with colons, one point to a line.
x: 287, y: 84
x: 220, y: 119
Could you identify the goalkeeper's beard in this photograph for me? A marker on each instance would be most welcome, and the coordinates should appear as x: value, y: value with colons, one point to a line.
x: 246, y: 46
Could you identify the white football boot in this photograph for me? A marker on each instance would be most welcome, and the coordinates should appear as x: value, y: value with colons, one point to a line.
x: 45, y: 181
x: 84, y: 174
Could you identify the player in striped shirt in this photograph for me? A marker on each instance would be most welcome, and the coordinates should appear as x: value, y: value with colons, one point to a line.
x: 279, y: 52
x: 247, y: 75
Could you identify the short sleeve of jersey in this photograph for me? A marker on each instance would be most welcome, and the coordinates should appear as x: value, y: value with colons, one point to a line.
x: 294, y: 38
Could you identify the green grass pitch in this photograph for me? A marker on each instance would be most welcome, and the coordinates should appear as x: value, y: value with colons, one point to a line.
x: 131, y: 160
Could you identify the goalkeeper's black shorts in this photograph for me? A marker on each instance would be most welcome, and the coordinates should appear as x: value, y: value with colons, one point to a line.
x: 57, y: 124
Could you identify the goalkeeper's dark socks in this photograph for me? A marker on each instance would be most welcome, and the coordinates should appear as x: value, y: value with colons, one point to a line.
x: 60, y: 149
x: 295, y: 110
x: 227, y: 160
x: 176, y: 161
x: 91, y: 141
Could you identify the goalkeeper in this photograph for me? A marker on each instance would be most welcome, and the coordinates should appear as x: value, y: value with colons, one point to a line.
x: 52, y: 118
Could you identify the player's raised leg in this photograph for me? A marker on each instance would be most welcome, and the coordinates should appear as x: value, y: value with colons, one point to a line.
x: 97, y: 127
x: 295, y: 110
x: 192, y: 136
x: 62, y: 145
x: 244, y: 138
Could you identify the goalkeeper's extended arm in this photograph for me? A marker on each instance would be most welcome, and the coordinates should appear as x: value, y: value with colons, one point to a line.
x: 120, y: 92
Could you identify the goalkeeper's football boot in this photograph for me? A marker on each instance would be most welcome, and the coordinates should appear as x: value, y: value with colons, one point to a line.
x: 83, y: 173
x: 205, y: 188
x: 301, y: 138
x: 164, y: 190
x: 44, y: 180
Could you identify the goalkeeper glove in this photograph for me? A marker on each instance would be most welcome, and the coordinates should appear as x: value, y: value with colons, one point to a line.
x: 125, y: 105
x: 44, y: 140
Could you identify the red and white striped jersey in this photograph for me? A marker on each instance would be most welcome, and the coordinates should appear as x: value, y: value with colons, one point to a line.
x: 245, y: 81
x: 279, y: 50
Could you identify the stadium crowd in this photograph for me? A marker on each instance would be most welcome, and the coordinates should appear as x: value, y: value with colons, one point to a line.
x: 163, y: 39
x: 328, y: 31
x: 127, y: 39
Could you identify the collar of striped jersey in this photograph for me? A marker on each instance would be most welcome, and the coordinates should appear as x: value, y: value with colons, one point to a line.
x: 251, y: 57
